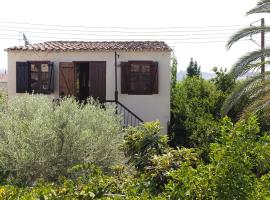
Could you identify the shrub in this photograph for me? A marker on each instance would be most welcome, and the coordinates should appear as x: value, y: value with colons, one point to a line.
x: 3, y: 99
x: 141, y: 143
x: 238, y: 169
x: 39, y: 139
x: 195, y: 112
x: 224, y: 81
x: 151, y: 155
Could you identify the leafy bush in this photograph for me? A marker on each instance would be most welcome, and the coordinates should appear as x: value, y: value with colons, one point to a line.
x: 40, y: 139
x: 238, y: 169
x: 224, y: 81
x: 195, y: 112
x: 143, y: 142
x: 3, y: 99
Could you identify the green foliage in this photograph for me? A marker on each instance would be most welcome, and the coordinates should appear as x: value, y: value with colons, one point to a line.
x: 195, y: 112
x: 224, y: 81
x: 40, y: 139
x: 149, y: 152
x: 257, y: 88
x: 173, y: 73
x: 262, y: 7
x: 233, y: 160
x: 3, y: 99
x: 96, y: 187
x: 193, y: 69
x: 238, y: 168
x: 143, y: 142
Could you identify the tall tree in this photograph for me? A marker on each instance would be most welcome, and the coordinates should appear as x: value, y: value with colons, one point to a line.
x: 256, y: 89
x: 173, y: 73
x: 193, y: 69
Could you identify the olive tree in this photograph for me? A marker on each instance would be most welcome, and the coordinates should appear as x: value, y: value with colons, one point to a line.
x: 42, y: 139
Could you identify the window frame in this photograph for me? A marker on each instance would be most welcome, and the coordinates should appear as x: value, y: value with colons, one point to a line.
x: 24, y: 76
x: 140, y: 62
x: 39, y: 74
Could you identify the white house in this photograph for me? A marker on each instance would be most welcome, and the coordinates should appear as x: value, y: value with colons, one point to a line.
x: 136, y: 75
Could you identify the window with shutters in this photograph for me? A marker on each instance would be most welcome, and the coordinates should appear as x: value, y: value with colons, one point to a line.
x: 39, y: 73
x: 34, y: 77
x: 139, y: 77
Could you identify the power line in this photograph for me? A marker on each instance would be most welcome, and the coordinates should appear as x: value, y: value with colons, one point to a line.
x: 214, y: 41
x: 113, y: 31
x: 144, y: 38
x: 217, y: 41
x: 184, y: 42
x: 178, y: 35
x: 210, y: 33
x: 118, y: 27
x: 103, y: 35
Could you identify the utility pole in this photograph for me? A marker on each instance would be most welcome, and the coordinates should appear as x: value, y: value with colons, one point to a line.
x: 262, y: 46
x: 115, y: 76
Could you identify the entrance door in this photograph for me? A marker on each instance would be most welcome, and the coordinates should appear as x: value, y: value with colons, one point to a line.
x: 97, y: 80
x: 83, y: 79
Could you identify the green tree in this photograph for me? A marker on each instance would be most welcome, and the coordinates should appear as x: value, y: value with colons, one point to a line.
x: 256, y: 89
x: 195, y: 112
x: 173, y: 73
x: 193, y: 69
x: 238, y: 167
x: 40, y: 139
x: 224, y: 81
x: 143, y: 142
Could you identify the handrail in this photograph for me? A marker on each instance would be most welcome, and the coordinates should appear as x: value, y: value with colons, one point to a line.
x: 127, y: 117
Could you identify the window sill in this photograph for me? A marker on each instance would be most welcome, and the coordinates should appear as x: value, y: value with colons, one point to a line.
x: 40, y: 92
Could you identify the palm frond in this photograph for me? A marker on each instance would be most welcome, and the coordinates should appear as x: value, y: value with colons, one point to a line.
x: 250, y: 88
x: 263, y: 6
x: 245, y: 32
x: 261, y: 103
x: 245, y: 63
x: 262, y: 2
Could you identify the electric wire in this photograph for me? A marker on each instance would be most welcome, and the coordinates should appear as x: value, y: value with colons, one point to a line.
x: 50, y: 33
x: 117, y: 27
x: 115, y: 31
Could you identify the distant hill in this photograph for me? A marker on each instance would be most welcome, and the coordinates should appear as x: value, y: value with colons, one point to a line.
x: 205, y: 75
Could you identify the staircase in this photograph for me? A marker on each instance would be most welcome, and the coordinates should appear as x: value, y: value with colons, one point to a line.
x: 128, y: 117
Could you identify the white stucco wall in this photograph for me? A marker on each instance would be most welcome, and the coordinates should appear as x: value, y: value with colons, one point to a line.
x: 147, y: 107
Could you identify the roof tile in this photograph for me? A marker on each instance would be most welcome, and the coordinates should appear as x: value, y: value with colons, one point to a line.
x: 94, y: 46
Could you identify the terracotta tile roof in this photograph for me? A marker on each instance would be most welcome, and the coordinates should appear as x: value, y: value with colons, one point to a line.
x: 94, y: 46
x: 3, y: 77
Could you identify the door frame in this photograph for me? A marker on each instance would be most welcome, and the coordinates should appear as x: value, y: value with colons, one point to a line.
x: 92, y: 61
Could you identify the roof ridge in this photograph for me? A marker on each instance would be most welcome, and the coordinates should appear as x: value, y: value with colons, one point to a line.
x: 93, y: 45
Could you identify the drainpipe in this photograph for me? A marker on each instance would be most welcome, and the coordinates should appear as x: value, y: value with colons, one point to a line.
x: 115, y: 69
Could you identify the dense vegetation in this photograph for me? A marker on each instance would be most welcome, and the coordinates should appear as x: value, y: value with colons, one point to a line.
x: 238, y: 168
x: 256, y: 89
x: 67, y: 150
x: 40, y: 139
x: 60, y: 150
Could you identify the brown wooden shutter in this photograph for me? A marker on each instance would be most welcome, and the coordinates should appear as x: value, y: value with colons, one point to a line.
x: 97, y: 76
x: 51, y: 77
x: 125, y: 78
x: 22, y: 77
x: 154, y: 77
x: 66, y: 79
